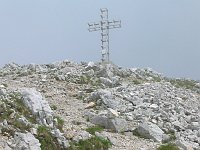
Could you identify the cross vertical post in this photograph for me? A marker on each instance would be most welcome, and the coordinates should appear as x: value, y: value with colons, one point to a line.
x: 104, y: 25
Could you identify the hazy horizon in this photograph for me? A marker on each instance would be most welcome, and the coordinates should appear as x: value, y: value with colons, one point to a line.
x: 162, y: 35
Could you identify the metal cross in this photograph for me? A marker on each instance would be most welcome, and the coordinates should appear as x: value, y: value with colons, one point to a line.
x: 104, y: 25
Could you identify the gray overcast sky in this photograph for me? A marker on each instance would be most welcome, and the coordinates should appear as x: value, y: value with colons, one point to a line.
x: 161, y: 34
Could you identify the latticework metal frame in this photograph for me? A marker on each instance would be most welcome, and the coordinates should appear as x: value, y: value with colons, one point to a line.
x: 104, y: 25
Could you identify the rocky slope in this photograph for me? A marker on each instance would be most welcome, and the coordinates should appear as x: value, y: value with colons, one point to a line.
x: 55, y: 106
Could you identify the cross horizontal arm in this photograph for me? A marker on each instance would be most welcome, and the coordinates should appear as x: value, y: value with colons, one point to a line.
x: 114, y: 24
x: 94, y: 27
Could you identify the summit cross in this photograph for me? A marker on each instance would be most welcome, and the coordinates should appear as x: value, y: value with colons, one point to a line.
x: 104, y: 25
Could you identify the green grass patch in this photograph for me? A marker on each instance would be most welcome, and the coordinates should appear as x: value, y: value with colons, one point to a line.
x: 94, y: 129
x: 13, y: 104
x: 156, y: 79
x: 47, y: 141
x: 84, y: 79
x: 81, y: 97
x: 172, y: 135
x: 60, y: 123
x: 5, y: 113
x: 95, y: 143
x: 137, y: 81
x: 23, y: 110
x: 54, y: 107
x: 96, y: 82
x: 135, y: 132
x: 22, y: 127
x: 7, y: 131
x: 169, y: 146
x: 184, y: 83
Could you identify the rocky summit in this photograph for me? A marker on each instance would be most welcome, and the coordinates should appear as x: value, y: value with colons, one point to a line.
x: 93, y: 106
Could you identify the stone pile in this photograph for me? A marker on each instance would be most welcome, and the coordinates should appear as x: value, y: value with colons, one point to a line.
x: 108, y: 119
x: 124, y: 100
x: 174, y: 110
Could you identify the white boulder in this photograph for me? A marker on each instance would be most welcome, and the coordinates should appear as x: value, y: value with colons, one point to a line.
x: 151, y: 131
x: 26, y: 141
x: 38, y: 106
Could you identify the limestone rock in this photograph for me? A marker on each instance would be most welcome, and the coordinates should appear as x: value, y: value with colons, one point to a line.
x: 184, y: 145
x: 4, y: 145
x: 112, y: 113
x: 82, y: 135
x: 26, y: 141
x: 90, y: 65
x: 38, y: 106
x: 2, y: 92
x: 114, y: 124
x: 106, y: 81
x: 60, y: 138
x: 90, y: 105
x: 151, y: 131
